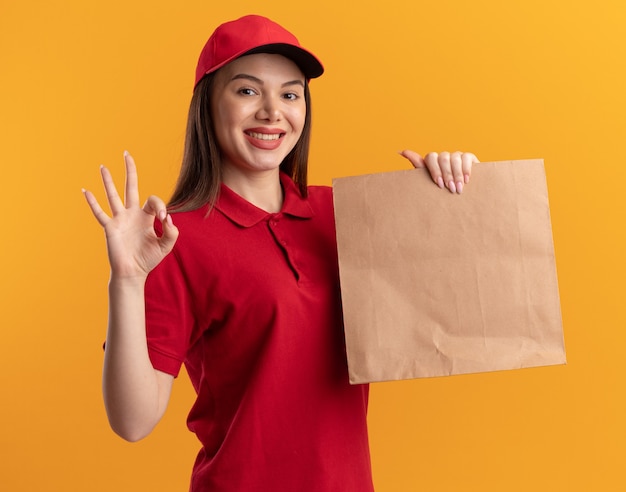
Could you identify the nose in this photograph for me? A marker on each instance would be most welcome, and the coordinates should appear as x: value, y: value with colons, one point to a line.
x: 269, y: 109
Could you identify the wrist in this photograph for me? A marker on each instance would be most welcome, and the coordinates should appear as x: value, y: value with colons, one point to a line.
x: 117, y: 280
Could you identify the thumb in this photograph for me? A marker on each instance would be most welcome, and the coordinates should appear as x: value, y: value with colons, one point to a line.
x: 416, y: 159
x: 170, y: 234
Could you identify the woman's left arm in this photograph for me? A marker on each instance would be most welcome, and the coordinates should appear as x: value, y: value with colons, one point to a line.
x: 448, y: 170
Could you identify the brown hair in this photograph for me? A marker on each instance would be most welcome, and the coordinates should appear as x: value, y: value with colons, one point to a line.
x: 200, y: 175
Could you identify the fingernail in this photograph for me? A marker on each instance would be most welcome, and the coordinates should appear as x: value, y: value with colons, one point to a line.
x: 451, y: 186
x: 126, y: 153
x: 466, y: 178
x: 440, y: 182
x: 459, y: 187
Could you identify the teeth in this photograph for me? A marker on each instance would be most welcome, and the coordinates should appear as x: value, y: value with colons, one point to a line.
x: 264, y: 136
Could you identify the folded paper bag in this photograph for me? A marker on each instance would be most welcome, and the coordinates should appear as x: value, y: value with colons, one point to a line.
x: 435, y: 284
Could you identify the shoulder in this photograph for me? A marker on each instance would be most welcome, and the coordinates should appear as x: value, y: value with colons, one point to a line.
x: 197, y: 236
x: 195, y: 227
x: 320, y: 195
x: 190, y: 216
x: 320, y: 199
x: 189, y: 220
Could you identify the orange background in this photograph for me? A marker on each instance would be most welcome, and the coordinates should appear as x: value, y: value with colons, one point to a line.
x: 83, y: 80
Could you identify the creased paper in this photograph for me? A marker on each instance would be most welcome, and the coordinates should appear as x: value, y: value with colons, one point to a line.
x: 435, y: 284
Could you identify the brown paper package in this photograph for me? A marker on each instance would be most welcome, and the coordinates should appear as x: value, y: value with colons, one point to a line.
x: 436, y: 284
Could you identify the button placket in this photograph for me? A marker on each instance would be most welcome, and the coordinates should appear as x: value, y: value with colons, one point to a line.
x: 281, y: 241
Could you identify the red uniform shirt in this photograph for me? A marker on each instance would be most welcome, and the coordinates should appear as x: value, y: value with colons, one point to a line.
x: 250, y: 302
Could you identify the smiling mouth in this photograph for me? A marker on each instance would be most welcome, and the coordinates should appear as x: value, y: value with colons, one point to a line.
x: 265, y: 136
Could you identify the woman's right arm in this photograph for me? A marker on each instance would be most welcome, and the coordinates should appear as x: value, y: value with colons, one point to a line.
x: 135, y: 394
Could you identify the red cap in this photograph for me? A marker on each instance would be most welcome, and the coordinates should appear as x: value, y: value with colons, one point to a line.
x: 254, y: 34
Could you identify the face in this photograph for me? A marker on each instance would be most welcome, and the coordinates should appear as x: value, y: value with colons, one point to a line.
x: 258, y: 109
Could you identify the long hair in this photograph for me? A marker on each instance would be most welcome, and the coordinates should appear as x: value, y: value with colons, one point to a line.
x: 200, y: 175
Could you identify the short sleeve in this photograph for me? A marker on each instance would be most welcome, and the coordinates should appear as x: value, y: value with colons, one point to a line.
x: 169, y: 315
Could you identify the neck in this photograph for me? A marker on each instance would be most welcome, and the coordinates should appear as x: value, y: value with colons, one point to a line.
x: 261, y: 189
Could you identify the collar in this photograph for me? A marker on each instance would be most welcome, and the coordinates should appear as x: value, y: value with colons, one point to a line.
x: 242, y: 212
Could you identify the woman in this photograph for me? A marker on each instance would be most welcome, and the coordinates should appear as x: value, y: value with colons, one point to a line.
x: 247, y: 297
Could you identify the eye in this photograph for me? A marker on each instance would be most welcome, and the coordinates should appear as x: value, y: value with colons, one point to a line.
x: 246, y: 91
x: 291, y: 96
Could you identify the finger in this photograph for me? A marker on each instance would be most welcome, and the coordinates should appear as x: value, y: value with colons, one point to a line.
x: 416, y: 159
x: 439, y: 167
x: 115, y: 202
x: 468, y: 160
x: 96, y: 209
x: 431, y: 163
x: 169, y: 236
x: 155, y: 206
x: 131, y: 191
x: 456, y: 166
x: 446, y: 171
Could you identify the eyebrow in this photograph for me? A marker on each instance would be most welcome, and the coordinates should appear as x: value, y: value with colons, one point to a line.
x: 252, y: 78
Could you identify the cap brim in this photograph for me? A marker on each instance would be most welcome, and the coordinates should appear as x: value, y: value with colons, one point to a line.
x: 311, y: 67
